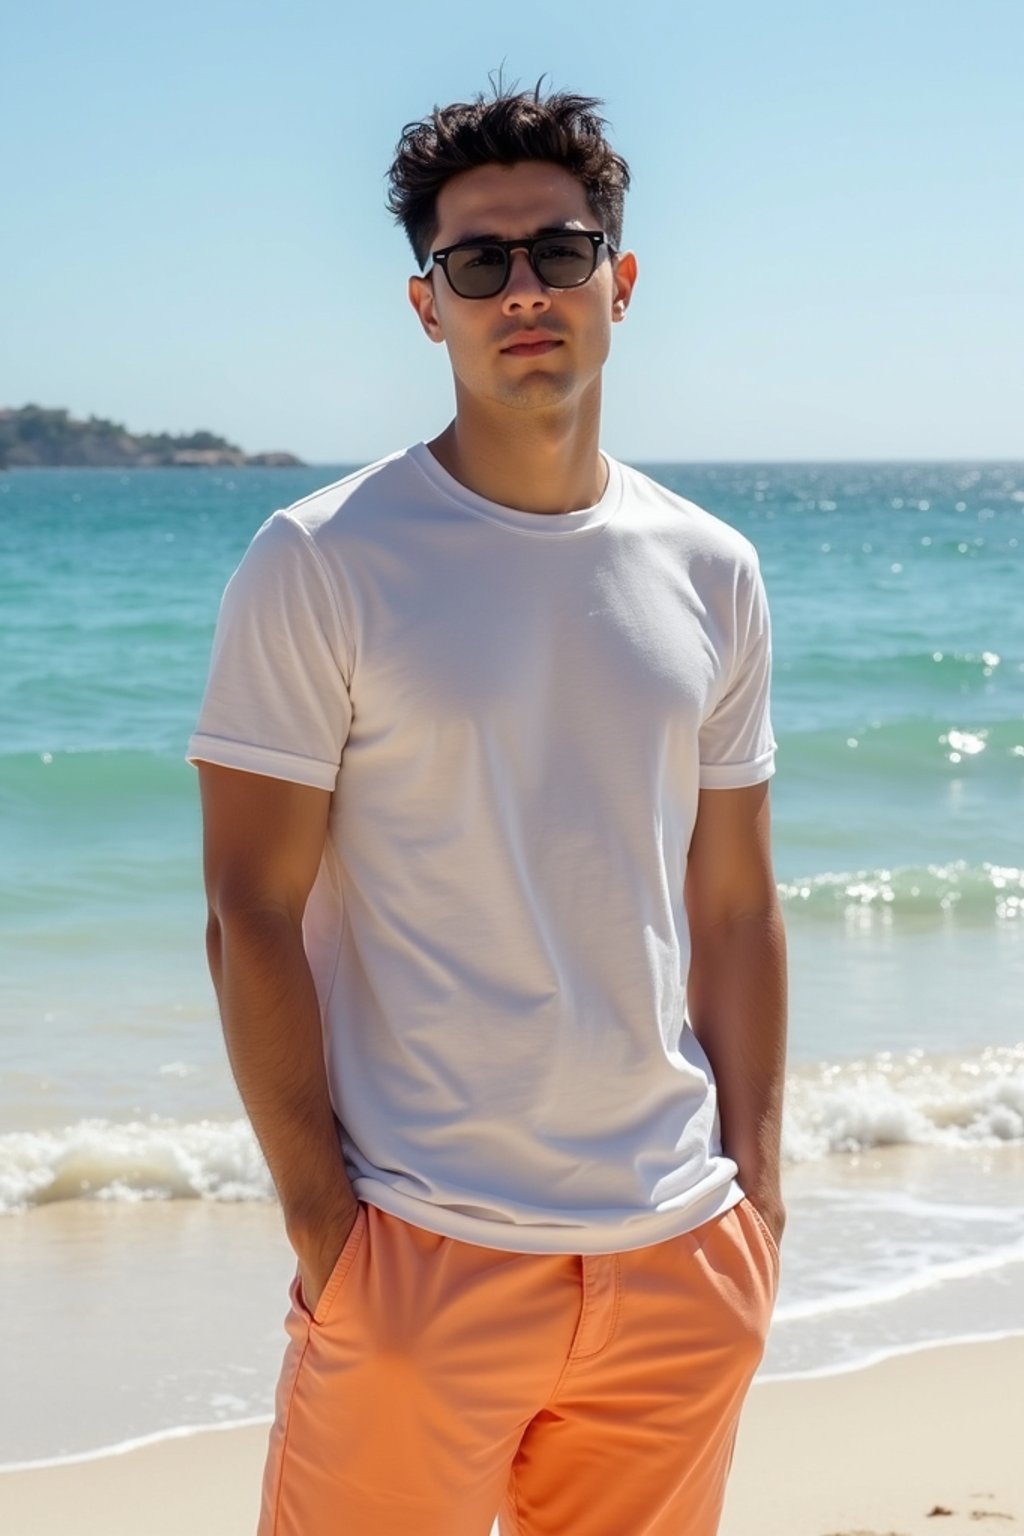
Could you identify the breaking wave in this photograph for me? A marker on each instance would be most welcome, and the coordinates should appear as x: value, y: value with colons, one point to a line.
x: 889, y: 1099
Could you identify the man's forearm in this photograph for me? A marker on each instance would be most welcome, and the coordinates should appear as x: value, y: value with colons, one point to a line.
x: 271, y: 1019
x: 737, y: 1004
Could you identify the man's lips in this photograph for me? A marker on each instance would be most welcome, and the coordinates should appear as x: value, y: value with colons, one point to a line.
x: 531, y: 344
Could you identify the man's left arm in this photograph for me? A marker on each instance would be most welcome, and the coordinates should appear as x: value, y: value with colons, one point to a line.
x: 737, y: 985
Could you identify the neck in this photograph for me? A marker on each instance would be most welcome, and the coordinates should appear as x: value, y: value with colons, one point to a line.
x: 533, y: 461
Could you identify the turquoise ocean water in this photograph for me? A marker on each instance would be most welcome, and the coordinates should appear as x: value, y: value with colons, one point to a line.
x: 898, y: 702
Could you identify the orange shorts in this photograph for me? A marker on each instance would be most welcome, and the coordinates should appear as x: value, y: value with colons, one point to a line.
x: 441, y: 1383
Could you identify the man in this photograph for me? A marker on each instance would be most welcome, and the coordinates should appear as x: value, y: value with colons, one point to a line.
x: 493, y: 925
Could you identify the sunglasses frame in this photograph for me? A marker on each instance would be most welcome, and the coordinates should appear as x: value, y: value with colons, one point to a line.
x: 597, y: 238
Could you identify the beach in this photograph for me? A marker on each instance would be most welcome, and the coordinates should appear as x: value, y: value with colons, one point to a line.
x: 918, y: 1444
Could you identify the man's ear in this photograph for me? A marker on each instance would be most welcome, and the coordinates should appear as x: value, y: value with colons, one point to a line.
x: 421, y: 297
x: 624, y: 281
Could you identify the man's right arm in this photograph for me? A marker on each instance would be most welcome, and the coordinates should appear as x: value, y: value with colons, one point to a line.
x: 262, y: 843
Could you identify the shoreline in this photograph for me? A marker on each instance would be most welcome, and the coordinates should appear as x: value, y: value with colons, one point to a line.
x: 876, y: 1450
x: 258, y: 1421
x: 156, y: 1289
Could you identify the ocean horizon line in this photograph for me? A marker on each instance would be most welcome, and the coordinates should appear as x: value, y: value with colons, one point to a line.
x: 1015, y: 460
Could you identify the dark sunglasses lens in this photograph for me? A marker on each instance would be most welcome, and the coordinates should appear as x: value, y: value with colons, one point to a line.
x: 477, y: 272
x: 565, y: 261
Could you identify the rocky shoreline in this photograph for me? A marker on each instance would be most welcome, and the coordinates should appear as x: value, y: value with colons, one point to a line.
x: 37, y: 437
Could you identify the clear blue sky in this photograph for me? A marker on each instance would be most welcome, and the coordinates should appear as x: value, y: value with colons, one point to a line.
x: 828, y: 213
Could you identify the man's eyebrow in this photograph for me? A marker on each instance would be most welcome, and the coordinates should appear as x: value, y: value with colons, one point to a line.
x: 566, y: 227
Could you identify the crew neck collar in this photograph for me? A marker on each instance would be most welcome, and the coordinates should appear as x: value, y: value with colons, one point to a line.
x: 558, y: 525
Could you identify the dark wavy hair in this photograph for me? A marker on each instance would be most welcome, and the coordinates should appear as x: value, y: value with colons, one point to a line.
x: 510, y: 126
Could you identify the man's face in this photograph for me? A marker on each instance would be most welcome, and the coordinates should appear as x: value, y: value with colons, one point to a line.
x: 488, y: 340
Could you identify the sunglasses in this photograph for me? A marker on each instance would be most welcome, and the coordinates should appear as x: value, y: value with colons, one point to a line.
x: 479, y: 269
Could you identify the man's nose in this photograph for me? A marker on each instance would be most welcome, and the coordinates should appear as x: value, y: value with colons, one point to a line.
x: 524, y: 289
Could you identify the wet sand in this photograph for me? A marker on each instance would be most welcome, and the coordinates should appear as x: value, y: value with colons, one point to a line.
x: 927, y: 1444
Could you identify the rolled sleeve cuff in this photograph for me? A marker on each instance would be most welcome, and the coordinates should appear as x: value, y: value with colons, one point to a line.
x: 268, y: 761
x: 737, y: 775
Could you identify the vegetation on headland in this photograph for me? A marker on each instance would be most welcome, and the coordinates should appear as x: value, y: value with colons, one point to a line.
x: 32, y: 437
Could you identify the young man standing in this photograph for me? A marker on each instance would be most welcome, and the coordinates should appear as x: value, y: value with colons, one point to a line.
x: 493, y: 924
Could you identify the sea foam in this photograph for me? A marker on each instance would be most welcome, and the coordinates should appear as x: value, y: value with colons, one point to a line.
x: 894, y: 1099
x: 137, y: 1160
x: 888, y: 1099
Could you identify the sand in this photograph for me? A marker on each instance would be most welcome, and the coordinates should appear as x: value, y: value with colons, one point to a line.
x: 926, y: 1444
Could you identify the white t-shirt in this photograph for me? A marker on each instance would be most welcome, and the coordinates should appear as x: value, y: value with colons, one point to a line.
x: 515, y: 712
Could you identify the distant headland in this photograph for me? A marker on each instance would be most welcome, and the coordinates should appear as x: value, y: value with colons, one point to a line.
x: 32, y: 437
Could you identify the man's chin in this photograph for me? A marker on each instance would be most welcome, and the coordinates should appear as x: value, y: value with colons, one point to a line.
x: 536, y: 391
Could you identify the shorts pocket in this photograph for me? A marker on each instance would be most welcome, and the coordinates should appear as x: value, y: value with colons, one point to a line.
x: 765, y: 1230
x: 320, y: 1313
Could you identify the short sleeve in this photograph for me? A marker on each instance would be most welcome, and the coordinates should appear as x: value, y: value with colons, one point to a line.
x: 737, y: 744
x: 277, y: 698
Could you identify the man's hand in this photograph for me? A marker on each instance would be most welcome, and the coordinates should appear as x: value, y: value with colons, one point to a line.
x: 318, y: 1244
